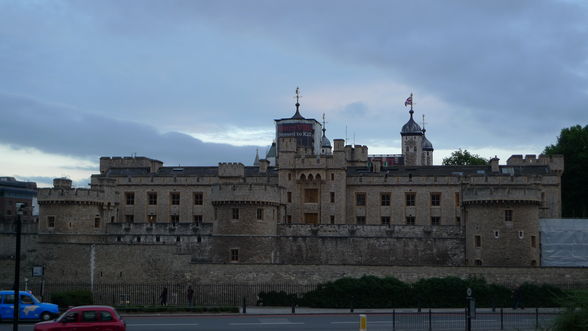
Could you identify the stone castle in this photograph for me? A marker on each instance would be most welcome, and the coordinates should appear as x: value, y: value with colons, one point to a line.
x: 306, y: 203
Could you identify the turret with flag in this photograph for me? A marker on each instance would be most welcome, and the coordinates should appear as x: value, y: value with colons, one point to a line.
x: 408, y: 101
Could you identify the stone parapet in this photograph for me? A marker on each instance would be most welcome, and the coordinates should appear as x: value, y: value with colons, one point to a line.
x: 245, y: 194
x: 494, y: 194
x: 70, y: 196
x: 369, y: 231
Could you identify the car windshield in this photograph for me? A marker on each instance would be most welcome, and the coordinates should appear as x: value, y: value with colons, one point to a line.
x: 34, y: 298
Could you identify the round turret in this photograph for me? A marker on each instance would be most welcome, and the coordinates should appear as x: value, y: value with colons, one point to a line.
x: 411, y: 127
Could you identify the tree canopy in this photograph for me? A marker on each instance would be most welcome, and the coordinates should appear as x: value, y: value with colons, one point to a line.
x: 464, y: 157
x: 572, y: 143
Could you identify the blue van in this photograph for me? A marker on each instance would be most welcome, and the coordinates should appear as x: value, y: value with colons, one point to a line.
x: 30, y: 307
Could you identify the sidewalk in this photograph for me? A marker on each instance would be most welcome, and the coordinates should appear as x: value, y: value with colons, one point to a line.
x: 257, y: 310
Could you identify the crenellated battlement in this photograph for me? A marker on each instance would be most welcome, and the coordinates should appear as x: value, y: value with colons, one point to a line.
x: 231, y: 169
x: 70, y: 196
x: 555, y: 162
x: 107, y: 163
x: 245, y: 193
x: 474, y: 194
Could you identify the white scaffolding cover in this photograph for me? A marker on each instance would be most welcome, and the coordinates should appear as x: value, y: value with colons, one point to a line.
x: 564, y: 242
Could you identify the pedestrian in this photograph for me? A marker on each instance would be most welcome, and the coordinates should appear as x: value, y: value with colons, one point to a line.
x: 190, y: 295
x: 517, y: 299
x: 163, y: 297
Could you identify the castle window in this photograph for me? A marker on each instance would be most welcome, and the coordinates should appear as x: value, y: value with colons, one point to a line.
x: 198, y: 239
x: 235, y: 213
x: 360, y: 199
x: 289, y: 219
x: 533, y: 241
x: 310, y: 218
x: 178, y: 239
x: 174, y: 219
x: 311, y: 195
x: 111, y: 219
x: 435, y: 220
x: 152, y: 198
x: 260, y: 214
x: 457, y: 200
x: 234, y: 255
x: 175, y: 198
x: 118, y: 239
x: 410, y: 198
x: 138, y: 239
x: 478, y: 262
x: 508, y: 215
x: 289, y: 197
x: 50, y: 221
x: 130, y: 198
x: 385, y: 199
x: 289, y: 176
x: 533, y: 263
x: 385, y: 220
x: 496, y: 234
x: 129, y: 218
x: 478, y: 241
x: 151, y: 219
x: 332, y: 219
x: 521, y: 234
x: 198, y: 198
x: 360, y: 220
x: 457, y: 220
x: 332, y: 176
x: 436, y: 199
x: 157, y: 239
x: 332, y: 194
x: 97, y: 222
x: 197, y: 220
x: 410, y: 220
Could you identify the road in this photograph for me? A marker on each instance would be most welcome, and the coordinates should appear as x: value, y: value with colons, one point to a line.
x: 317, y: 322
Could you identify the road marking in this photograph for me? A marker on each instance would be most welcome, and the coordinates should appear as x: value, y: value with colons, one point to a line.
x: 268, y: 323
x: 183, y: 324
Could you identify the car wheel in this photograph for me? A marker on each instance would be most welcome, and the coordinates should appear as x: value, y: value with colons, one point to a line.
x: 45, y: 316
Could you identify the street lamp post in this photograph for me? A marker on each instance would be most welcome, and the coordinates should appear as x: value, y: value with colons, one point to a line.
x: 20, y: 206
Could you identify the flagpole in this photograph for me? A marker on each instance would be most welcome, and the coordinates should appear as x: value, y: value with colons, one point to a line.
x: 411, y: 101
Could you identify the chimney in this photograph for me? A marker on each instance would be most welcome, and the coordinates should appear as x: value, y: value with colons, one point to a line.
x: 494, y: 164
x: 263, y: 164
x: 377, y: 164
x: 63, y: 183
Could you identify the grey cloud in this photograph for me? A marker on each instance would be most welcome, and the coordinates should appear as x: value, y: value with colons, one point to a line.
x: 61, y: 130
x: 355, y: 109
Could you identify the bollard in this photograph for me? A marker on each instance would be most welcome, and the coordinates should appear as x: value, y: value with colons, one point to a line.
x: 430, y: 320
x: 501, y: 319
x: 536, y: 318
x: 244, y: 305
x: 393, y: 319
x: 351, y: 305
x: 362, y: 323
x: 293, y: 307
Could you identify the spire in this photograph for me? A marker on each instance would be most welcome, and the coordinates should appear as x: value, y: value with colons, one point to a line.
x: 298, y: 96
x: 411, y: 127
x: 325, y: 142
x: 424, y: 130
x: 324, y: 125
x: 256, y: 161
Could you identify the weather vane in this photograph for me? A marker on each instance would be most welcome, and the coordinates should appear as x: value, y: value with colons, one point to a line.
x: 298, y: 96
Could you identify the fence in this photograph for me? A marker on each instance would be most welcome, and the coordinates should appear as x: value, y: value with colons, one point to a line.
x: 149, y: 294
x: 430, y: 320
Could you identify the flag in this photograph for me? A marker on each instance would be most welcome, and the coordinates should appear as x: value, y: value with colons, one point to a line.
x: 408, y: 101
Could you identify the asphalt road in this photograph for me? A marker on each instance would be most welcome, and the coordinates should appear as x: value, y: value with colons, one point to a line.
x: 318, y: 322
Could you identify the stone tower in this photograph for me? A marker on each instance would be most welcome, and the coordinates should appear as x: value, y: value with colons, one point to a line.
x: 412, y: 142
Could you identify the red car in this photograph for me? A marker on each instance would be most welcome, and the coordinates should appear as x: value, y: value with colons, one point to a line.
x: 98, y: 318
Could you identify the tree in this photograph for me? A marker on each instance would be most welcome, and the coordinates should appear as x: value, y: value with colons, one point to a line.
x: 572, y: 143
x: 464, y: 157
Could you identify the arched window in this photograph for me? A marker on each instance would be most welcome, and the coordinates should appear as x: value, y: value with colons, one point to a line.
x: 310, y: 177
x: 302, y: 177
x: 318, y: 177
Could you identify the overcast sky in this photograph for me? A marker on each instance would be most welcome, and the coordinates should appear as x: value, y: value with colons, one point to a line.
x: 201, y: 82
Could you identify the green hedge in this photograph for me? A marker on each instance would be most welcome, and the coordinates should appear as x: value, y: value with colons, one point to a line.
x: 72, y: 298
x: 389, y: 292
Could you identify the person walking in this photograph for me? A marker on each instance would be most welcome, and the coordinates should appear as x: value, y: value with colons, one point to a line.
x: 190, y: 295
x: 163, y: 297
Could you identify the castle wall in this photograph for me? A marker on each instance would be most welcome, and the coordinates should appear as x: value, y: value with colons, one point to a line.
x: 150, y: 263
